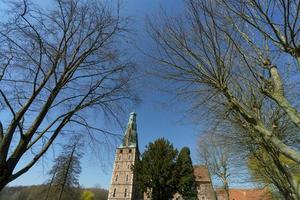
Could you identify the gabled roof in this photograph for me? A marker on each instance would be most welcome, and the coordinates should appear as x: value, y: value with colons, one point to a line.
x: 201, y: 173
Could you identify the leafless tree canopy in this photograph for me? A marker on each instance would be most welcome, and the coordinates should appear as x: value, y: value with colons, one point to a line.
x: 215, y: 152
x: 239, y: 60
x: 56, y: 65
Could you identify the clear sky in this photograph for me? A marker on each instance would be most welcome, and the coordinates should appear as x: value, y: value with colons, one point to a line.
x: 156, y: 117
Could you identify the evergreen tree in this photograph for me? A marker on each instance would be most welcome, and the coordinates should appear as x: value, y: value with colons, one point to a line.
x: 65, y: 174
x: 156, y: 170
x: 186, y: 183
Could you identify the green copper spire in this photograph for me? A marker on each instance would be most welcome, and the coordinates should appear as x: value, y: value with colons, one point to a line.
x: 130, y: 137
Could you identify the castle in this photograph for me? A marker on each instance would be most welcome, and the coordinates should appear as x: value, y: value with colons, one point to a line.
x: 123, y: 178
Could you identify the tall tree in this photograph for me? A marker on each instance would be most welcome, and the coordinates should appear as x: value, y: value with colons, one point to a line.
x: 186, y: 183
x: 65, y: 173
x: 156, y: 170
x: 56, y: 65
x: 234, y: 58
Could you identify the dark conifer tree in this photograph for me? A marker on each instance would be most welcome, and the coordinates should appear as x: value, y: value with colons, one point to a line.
x: 186, y: 183
x: 156, y: 170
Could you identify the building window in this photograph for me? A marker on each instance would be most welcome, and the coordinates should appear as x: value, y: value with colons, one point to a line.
x: 121, y: 151
x: 129, y: 150
x: 115, y: 190
x: 126, y: 177
x: 125, y: 193
x: 116, y: 179
x: 128, y: 166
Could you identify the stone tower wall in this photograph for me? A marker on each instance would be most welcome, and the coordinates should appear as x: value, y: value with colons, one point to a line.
x: 122, y: 181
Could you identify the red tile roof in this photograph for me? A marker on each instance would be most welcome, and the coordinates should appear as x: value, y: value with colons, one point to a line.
x: 246, y: 194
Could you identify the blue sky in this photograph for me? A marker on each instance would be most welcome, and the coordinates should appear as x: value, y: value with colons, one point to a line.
x: 156, y: 117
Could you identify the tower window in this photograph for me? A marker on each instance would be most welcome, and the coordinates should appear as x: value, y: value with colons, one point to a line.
x: 129, y: 150
x: 114, y: 193
x: 126, y: 177
x: 125, y: 193
x: 116, y: 179
x: 121, y: 151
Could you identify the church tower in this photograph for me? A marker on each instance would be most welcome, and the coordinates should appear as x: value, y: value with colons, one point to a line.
x: 123, y: 177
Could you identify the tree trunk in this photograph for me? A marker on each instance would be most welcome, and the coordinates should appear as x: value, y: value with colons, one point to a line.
x: 67, y: 171
x: 50, y: 184
x: 2, y: 185
x: 226, y: 188
x: 278, y: 95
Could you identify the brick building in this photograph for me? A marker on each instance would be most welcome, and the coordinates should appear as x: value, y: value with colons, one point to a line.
x: 123, y: 185
x: 204, y: 184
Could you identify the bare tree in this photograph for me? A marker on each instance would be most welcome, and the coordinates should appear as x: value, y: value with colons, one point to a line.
x: 217, y: 156
x: 231, y: 58
x: 65, y: 172
x: 266, y: 165
x: 57, y: 66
